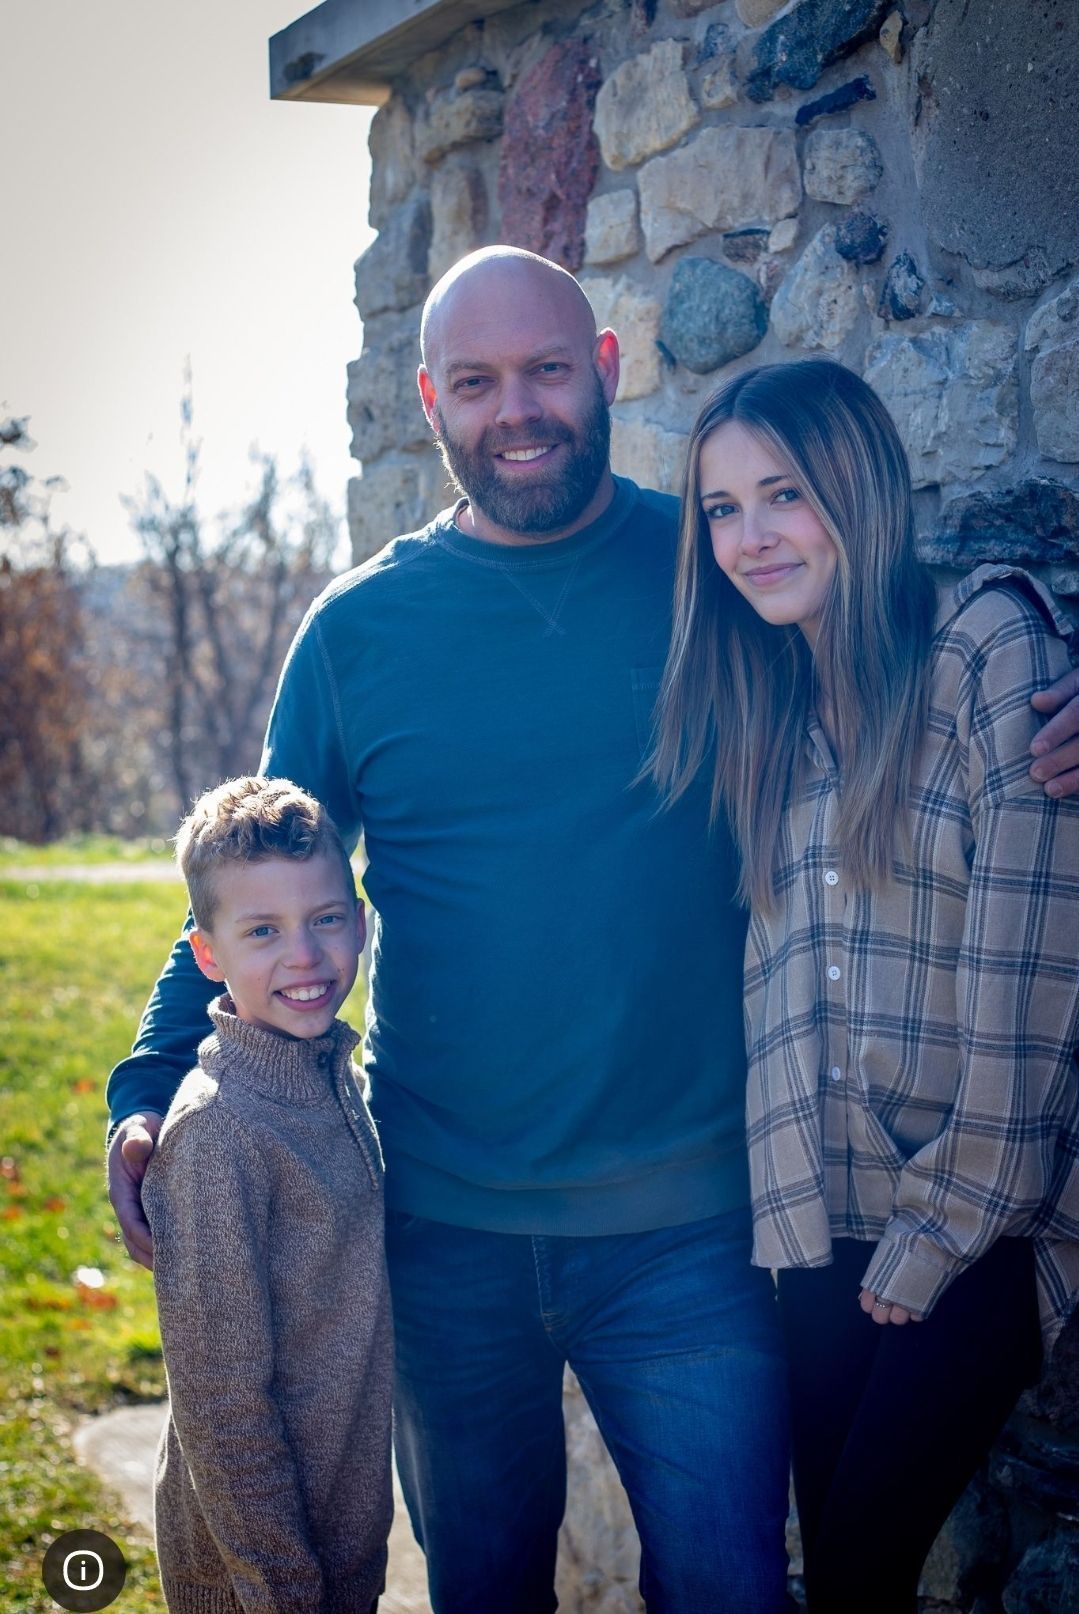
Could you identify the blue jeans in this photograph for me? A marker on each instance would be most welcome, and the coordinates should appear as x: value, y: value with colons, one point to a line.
x: 673, y: 1337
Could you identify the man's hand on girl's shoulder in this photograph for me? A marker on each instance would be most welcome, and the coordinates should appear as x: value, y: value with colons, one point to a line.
x: 1057, y: 746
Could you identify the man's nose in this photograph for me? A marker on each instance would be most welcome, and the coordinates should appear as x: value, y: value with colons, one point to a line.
x: 517, y: 402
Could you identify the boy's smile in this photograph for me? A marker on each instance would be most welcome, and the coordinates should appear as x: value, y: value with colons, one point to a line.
x: 286, y: 941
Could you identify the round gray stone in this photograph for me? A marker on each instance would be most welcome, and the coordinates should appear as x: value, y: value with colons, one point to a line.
x: 712, y: 315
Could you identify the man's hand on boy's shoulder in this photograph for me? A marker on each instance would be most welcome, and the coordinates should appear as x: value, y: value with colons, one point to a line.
x: 1057, y: 746
x: 130, y: 1149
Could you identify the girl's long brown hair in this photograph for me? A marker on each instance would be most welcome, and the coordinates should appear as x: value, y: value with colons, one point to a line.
x: 740, y: 689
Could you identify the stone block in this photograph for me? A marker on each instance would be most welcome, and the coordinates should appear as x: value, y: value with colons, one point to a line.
x: 783, y: 235
x: 902, y: 295
x: 719, y: 86
x: 954, y: 395
x: 748, y: 246
x: 968, y: 1549
x: 1036, y: 521
x: 817, y: 304
x: 611, y: 229
x: 455, y: 119
x: 1045, y: 1580
x: 384, y: 409
x: 726, y: 178
x: 840, y: 165
x: 1052, y: 336
x: 549, y: 157
x: 796, y: 48
x: 459, y: 213
x: 393, y: 160
x: 634, y: 317
x: 860, y: 238
x: 995, y: 143
x: 392, y: 273
x: 1057, y: 1397
x: 755, y: 13
x: 598, y: 1550
x: 841, y: 100
x: 1038, y: 1465
x: 394, y: 497
x: 645, y: 106
x: 891, y: 36
x: 1026, y: 277
x: 648, y: 453
x: 712, y: 315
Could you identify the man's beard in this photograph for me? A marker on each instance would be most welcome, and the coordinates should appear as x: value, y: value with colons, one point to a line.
x: 543, y: 506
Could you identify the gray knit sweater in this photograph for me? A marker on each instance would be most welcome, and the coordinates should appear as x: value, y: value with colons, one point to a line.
x: 264, y: 1196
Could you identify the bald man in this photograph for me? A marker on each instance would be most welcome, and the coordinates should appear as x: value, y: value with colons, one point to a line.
x: 555, y: 1026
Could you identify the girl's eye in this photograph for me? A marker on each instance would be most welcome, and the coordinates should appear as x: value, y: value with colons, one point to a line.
x: 787, y: 496
x: 716, y: 512
x: 259, y: 931
x: 329, y: 919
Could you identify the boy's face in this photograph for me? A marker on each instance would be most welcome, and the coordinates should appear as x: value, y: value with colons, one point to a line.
x: 286, y: 941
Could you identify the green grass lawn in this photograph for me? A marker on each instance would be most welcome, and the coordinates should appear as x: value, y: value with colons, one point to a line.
x: 75, y: 966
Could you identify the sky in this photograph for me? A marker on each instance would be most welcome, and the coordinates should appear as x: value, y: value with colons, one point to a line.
x: 158, y: 207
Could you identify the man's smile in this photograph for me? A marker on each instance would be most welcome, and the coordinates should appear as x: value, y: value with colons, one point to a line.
x: 524, y: 455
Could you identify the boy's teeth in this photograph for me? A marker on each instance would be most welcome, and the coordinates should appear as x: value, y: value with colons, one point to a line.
x: 304, y: 994
x: 523, y: 453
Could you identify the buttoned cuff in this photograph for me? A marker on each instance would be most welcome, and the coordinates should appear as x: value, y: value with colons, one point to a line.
x: 909, y: 1270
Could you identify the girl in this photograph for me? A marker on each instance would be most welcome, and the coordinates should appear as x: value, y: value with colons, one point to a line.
x: 912, y: 996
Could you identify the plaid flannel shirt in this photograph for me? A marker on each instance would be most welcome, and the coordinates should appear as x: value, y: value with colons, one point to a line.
x: 912, y: 1070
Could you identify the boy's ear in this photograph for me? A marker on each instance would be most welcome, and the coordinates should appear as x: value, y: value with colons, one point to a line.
x: 361, y: 924
x: 202, y: 947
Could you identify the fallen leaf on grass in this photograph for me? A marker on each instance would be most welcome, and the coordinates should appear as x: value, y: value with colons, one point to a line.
x: 55, y: 1203
x: 90, y: 1288
x: 11, y: 1212
x: 9, y: 1169
x: 85, y: 1084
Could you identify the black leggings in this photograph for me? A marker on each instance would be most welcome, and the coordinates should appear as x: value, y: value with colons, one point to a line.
x: 890, y: 1423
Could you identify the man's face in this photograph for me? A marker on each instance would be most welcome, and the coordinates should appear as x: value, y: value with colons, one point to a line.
x: 532, y: 482
x: 517, y: 388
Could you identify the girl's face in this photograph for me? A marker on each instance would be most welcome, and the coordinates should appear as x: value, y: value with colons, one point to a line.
x: 765, y: 535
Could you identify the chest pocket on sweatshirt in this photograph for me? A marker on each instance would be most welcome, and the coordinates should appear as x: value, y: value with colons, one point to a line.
x: 646, y: 682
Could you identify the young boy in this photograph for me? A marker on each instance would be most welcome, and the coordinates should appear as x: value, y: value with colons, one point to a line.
x: 264, y: 1196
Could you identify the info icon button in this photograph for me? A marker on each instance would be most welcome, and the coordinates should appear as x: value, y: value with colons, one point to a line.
x: 84, y: 1569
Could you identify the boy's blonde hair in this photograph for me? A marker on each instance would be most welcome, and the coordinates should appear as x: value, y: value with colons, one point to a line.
x: 248, y: 820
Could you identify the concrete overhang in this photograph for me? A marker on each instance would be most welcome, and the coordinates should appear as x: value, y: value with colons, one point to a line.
x: 352, y: 50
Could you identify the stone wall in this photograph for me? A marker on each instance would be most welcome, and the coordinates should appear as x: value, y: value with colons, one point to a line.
x: 894, y: 185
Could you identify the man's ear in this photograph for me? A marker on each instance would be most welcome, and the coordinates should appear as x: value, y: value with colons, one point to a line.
x: 202, y: 947
x: 428, y: 396
x: 608, y: 363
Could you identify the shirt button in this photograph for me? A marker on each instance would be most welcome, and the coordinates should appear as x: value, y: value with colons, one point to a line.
x: 834, y: 972
x: 837, y: 1074
x: 831, y: 877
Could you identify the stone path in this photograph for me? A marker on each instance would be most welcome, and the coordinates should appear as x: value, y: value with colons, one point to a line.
x: 119, y: 1447
x: 92, y: 873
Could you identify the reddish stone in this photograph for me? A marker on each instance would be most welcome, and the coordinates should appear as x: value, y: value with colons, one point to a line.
x: 549, y: 155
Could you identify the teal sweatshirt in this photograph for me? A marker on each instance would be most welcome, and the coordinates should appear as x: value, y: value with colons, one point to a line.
x: 554, y: 1034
